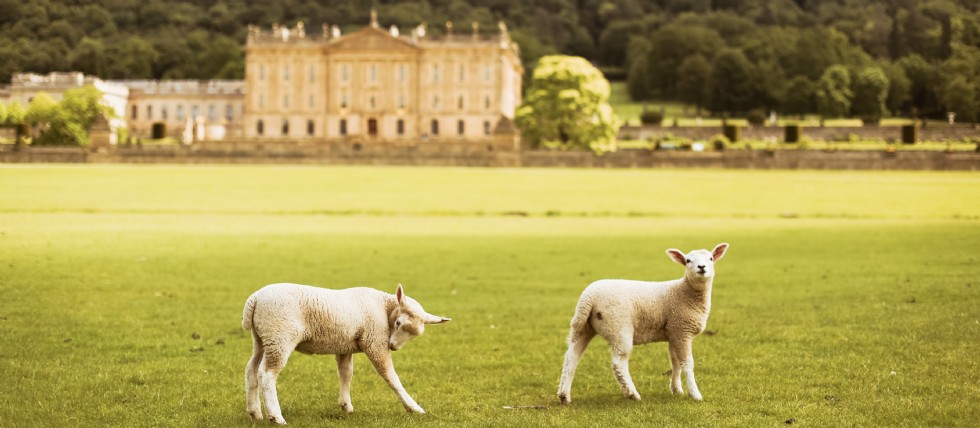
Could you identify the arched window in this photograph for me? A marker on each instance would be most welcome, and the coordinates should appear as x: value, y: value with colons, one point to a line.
x: 260, y: 127
x: 435, y: 127
x: 285, y: 127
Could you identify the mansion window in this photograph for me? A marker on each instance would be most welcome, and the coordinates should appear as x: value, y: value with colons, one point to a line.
x: 400, y: 126
x: 194, y: 112
x: 373, y: 72
x: 229, y: 112
x: 435, y: 73
x: 460, y: 127
x: 285, y: 73
x: 285, y: 101
x: 401, y: 100
x: 149, y: 112
x: 261, y: 72
x: 486, y: 127
x: 134, y: 109
x: 487, y: 73
x: 345, y: 72
x: 261, y: 101
x: 212, y: 113
x: 462, y: 73
x: 461, y: 103
x: 310, y: 127
x: 260, y: 127
x: 435, y: 127
x: 402, y: 72
x: 344, y: 102
x: 486, y: 102
x: 435, y: 102
x: 343, y: 126
x: 163, y: 112
x: 180, y: 112
x: 311, y: 73
x: 371, y: 102
x: 310, y: 101
x: 285, y: 127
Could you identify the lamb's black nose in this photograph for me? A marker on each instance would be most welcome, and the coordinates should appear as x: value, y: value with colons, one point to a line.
x: 701, y: 268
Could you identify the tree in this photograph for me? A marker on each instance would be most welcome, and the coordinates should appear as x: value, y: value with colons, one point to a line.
x: 567, y: 105
x: 668, y: 48
x: 899, y: 89
x: 870, y: 94
x: 15, y: 114
x: 834, y: 92
x: 730, y: 83
x: 961, y: 96
x: 692, y: 81
x: 800, y: 96
x: 89, y: 57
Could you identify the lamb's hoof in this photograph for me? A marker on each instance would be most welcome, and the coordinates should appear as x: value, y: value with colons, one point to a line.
x: 255, y: 414
x: 634, y: 396
x: 415, y: 409
x: 347, y: 408
x: 696, y: 397
x: 278, y: 420
x: 564, y: 398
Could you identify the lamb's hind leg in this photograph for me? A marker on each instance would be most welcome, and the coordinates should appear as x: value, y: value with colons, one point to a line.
x: 577, y: 342
x: 272, y: 364
x: 622, y: 346
x: 345, y: 368
x: 253, y: 403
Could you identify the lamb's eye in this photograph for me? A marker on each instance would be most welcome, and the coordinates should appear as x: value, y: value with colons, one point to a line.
x: 711, y: 258
x: 398, y: 323
x: 689, y: 261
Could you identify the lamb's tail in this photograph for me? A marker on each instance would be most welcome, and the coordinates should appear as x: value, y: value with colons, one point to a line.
x: 248, y: 312
x: 583, y: 310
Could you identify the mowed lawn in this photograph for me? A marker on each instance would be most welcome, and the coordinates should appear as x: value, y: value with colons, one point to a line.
x: 846, y: 298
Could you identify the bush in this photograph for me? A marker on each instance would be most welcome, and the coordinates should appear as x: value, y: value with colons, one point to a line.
x: 651, y: 117
x: 732, y: 132
x: 793, y: 133
x: 719, y: 142
x: 756, y: 117
x: 159, y: 130
x: 910, y: 134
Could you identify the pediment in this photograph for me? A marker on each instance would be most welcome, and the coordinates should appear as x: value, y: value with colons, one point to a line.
x: 370, y: 38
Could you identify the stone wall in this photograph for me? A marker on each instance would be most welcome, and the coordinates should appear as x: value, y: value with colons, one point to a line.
x: 497, y: 153
x: 933, y: 132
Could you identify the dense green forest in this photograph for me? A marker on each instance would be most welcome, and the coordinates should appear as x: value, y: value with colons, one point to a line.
x: 724, y: 55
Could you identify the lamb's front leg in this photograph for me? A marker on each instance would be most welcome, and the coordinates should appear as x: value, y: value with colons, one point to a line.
x: 382, y: 363
x: 345, y: 368
x: 685, y: 357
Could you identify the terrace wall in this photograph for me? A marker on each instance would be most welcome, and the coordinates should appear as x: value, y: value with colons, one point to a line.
x: 934, y: 132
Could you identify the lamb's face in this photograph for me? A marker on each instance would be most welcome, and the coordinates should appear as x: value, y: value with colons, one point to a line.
x: 699, y: 263
x: 409, y: 320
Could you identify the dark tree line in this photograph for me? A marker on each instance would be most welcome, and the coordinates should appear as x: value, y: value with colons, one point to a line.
x: 667, y: 48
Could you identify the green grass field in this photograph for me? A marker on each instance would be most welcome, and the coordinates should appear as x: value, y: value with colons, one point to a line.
x: 846, y: 299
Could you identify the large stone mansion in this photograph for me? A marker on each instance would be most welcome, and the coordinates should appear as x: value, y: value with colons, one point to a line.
x: 370, y: 84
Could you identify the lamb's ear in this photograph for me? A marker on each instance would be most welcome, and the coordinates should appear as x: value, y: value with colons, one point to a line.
x: 436, y: 319
x: 677, y: 256
x: 399, y: 294
x: 719, y: 251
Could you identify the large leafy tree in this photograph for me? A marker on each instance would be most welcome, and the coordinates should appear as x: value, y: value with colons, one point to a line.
x: 870, y: 94
x: 834, y: 95
x: 730, y: 83
x: 567, y: 105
